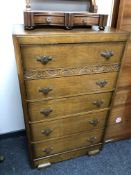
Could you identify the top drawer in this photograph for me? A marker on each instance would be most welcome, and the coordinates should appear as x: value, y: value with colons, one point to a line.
x: 70, y: 55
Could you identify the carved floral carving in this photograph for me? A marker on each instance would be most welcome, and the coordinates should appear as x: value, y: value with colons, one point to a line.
x: 62, y: 72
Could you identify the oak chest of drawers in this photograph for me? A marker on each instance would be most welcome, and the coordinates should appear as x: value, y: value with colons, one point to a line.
x: 67, y: 82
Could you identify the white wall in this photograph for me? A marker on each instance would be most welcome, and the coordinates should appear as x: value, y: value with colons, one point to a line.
x: 11, y: 115
x: 105, y: 7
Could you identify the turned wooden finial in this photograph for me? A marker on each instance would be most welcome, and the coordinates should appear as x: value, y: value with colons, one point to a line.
x: 94, y: 7
x: 28, y: 4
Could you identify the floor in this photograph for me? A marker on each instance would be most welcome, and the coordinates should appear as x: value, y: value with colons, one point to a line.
x: 115, y: 159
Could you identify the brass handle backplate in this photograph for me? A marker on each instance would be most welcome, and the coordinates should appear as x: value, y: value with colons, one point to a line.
x: 92, y: 140
x: 101, y: 83
x: 46, y: 112
x: 47, y: 150
x: 94, y: 122
x: 47, y: 132
x: 98, y: 103
x: 48, y: 20
x: 45, y: 90
x: 107, y: 54
x: 44, y: 59
x: 84, y: 20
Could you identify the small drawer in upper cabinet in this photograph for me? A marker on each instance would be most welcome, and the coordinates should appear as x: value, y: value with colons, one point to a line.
x: 70, y: 55
x: 70, y: 86
x: 49, y: 20
x: 66, y: 126
x: 85, y: 20
x: 47, y: 148
x: 49, y: 109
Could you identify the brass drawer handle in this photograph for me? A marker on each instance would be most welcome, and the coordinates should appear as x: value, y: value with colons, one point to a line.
x: 94, y: 122
x: 48, y: 20
x: 107, y: 54
x: 92, y: 140
x: 47, y: 132
x: 45, y: 90
x: 98, y: 103
x: 101, y: 83
x: 44, y: 59
x: 84, y: 20
x: 46, y: 112
x: 47, y: 150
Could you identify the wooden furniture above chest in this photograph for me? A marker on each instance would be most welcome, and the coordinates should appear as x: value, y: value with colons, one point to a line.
x: 67, y: 80
x: 119, y: 126
x: 63, y: 13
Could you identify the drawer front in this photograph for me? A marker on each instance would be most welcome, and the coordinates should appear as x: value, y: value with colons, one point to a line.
x: 66, y: 144
x: 67, y: 126
x: 70, y: 55
x: 83, y: 20
x: 125, y: 78
x: 49, y: 20
x: 69, y: 86
x: 66, y: 155
x: 68, y: 106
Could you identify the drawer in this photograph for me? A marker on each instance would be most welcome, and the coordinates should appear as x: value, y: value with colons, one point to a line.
x: 70, y: 55
x: 68, y: 106
x: 69, y: 86
x: 83, y: 20
x: 67, y: 126
x: 49, y: 20
x: 125, y: 78
x: 66, y: 144
x: 118, y: 131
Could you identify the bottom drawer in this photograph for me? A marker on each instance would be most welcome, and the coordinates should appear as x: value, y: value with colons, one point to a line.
x: 66, y: 155
x: 55, y: 146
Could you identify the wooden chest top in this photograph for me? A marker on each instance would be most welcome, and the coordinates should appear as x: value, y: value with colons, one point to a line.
x: 78, y: 35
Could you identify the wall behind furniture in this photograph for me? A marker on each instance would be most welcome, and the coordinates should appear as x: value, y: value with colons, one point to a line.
x: 11, y: 115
